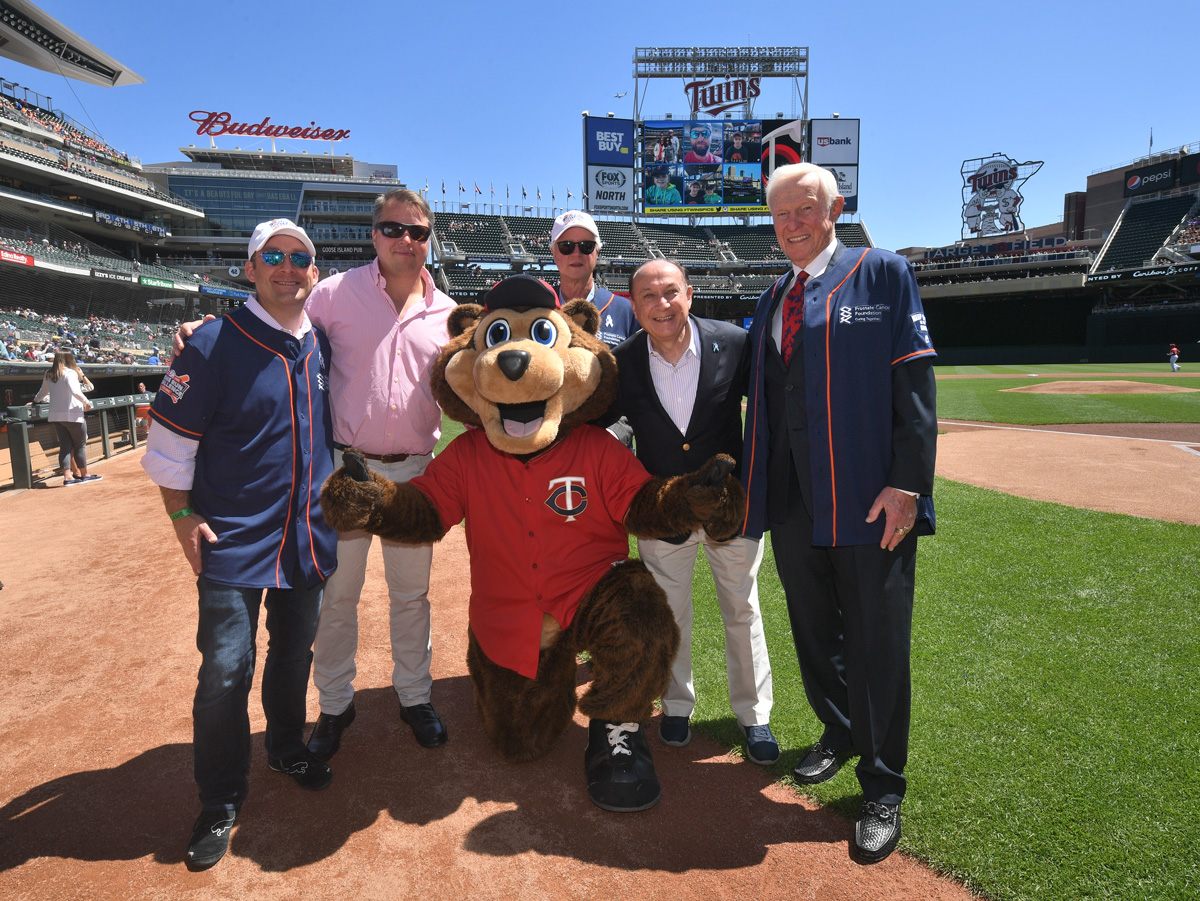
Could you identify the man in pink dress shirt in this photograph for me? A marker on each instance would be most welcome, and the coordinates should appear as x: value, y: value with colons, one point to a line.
x: 386, y: 324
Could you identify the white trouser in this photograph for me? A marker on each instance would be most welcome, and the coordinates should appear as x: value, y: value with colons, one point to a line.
x: 734, y: 565
x: 406, y: 570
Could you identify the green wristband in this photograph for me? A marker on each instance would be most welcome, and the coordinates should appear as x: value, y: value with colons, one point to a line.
x: 180, y: 514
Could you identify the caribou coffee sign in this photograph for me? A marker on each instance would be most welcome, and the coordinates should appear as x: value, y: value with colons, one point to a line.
x: 715, y: 97
x: 216, y: 124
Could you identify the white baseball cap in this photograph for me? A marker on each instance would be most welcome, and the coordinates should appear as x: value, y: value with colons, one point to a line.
x: 265, y: 231
x: 574, y: 219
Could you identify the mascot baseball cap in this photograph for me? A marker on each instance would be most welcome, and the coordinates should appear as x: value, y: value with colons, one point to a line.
x: 521, y: 291
x: 573, y: 219
x: 265, y: 231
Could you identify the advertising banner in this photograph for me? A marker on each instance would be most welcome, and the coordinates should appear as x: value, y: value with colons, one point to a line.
x: 608, y: 142
x: 1148, y: 179
x: 1189, y: 169
x: 114, y: 276
x: 834, y: 141
x: 610, y: 189
x: 9, y: 256
x: 992, y: 194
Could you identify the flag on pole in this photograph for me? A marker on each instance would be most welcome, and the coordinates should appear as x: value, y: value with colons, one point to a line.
x: 477, y: 191
x: 539, y: 191
x: 492, y: 185
x: 443, y: 187
x: 460, y: 187
x: 507, y: 195
x: 523, y: 192
x: 569, y: 194
x: 427, y: 184
x: 552, y: 197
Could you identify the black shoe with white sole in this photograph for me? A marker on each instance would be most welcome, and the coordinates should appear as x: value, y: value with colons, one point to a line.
x: 620, y: 770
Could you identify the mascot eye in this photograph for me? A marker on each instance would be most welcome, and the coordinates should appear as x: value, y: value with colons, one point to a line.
x: 544, y: 332
x: 498, y: 332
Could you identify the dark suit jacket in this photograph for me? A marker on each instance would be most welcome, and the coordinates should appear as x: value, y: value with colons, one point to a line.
x: 716, y: 422
x: 854, y: 410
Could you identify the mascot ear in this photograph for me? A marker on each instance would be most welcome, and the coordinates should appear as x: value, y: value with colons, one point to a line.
x: 584, y: 313
x: 463, y: 317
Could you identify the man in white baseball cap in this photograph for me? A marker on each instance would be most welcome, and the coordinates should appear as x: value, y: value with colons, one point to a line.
x: 575, y: 245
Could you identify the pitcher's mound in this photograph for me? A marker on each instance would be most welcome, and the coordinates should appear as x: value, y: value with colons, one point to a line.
x: 1108, y: 387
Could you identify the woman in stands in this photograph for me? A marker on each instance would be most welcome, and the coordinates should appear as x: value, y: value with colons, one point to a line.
x: 64, y: 384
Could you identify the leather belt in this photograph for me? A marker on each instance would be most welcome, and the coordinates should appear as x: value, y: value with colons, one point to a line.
x: 382, y: 458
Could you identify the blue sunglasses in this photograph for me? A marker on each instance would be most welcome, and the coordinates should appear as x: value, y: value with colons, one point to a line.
x: 275, y: 257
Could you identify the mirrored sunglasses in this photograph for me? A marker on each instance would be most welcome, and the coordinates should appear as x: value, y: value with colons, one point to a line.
x: 275, y: 257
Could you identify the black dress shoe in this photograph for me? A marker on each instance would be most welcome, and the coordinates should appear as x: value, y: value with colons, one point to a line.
x: 820, y: 764
x: 620, y: 770
x: 426, y: 725
x: 326, y: 735
x: 877, y: 831
x: 309, y: 770
x: 210, y: 838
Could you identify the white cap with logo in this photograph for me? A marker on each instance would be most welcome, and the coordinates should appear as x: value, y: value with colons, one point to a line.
x: 265, y: 231
x: 574, y: 219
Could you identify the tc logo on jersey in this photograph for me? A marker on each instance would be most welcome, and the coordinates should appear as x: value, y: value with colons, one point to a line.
x: 174, y: 385
x: 568, y: 497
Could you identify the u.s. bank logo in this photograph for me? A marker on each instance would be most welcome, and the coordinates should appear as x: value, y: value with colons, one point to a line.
x: 568, y: 497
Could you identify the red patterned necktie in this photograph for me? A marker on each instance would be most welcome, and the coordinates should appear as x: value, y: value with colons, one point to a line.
x: 793, y: 315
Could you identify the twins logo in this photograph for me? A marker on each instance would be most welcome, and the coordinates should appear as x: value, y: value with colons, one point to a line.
x: 568, y: 497
x: 175, y: 385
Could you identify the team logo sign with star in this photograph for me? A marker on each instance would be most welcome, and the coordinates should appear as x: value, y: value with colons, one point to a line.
x: 992, y: 196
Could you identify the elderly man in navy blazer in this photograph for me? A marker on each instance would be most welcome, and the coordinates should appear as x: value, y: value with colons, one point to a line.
x: 838, y: 464
x: 682, y: 380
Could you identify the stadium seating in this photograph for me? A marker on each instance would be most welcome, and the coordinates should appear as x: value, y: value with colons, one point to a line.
x: 473, y: 234
x: 1142, y: 231
x: 682, y: 243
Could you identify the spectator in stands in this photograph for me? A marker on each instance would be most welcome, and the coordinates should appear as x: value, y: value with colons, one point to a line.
x: 575, y: 245
x: 11, y: 351
x: 242, y: 486
x: 831, y: 393
x: 65, y: 385
x: 153, y: 359
x: 682, y: 381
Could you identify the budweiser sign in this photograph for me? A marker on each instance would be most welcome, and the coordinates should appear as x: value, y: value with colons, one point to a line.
x: 217, y: 124
x: 715, y: 97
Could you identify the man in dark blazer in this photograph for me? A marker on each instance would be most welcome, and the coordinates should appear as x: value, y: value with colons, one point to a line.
x: 681, y: 385
x: 838, y: 464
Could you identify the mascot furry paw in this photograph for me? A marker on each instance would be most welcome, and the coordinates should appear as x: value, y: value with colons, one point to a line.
x: 548, y: 502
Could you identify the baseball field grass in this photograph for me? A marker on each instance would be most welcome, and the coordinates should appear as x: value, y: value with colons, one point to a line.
x: 1055, y: 722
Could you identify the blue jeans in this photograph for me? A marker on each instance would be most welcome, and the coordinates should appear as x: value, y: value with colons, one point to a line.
x: 225, y: 638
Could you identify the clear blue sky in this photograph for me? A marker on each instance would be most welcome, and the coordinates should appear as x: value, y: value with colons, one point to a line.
x: 492, y: 92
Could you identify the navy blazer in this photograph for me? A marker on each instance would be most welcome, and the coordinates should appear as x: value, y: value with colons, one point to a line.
x: 715, y: 426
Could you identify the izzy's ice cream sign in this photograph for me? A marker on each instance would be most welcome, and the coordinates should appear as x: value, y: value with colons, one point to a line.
x: 215, y: 124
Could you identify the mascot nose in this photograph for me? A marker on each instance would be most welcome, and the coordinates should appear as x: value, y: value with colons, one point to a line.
x: 513, y: 363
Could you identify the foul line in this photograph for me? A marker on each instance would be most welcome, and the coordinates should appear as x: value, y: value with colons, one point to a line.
x: 1018, y: 428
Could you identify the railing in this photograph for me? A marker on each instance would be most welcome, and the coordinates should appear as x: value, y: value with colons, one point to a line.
x: 121, y: 412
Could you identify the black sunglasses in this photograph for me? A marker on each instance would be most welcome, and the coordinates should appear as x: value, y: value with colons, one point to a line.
x: 398, y: 229
x: 568, y: 247
x: 275, y: 257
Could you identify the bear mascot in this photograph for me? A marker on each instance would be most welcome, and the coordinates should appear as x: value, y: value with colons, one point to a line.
x: 549, y: 501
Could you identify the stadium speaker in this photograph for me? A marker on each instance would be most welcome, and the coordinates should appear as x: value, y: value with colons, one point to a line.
x: 333, y: 270
x: 235, y: 271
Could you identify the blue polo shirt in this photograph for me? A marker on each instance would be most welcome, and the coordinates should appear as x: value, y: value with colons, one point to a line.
x: 257, y: 400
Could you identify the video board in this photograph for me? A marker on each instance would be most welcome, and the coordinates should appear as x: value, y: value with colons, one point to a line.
x: 713, y: 166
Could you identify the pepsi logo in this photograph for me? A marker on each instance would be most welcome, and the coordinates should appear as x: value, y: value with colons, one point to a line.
x: 1134, y: 181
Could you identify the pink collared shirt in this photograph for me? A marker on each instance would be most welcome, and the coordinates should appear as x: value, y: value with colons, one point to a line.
x: 379, y: 375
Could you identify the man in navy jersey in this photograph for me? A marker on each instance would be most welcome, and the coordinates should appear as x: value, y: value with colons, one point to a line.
x: 240, y: 444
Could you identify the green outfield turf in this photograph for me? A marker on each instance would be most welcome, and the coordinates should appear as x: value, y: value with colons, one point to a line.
x: 989, y: 398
